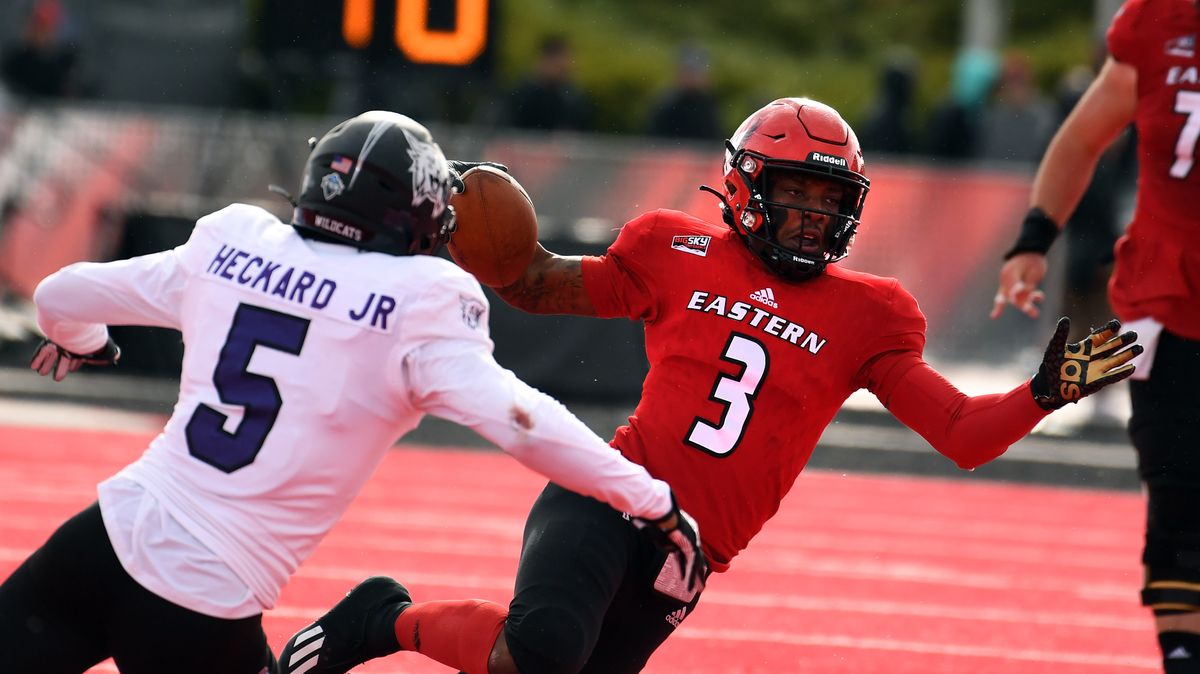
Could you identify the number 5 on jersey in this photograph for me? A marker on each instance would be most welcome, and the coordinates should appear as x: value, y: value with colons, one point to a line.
x: 258, y: 395
x: 737, y: 393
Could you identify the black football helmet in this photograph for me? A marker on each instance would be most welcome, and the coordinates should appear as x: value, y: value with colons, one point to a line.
x: 786, y: 136
x: 377, y: 182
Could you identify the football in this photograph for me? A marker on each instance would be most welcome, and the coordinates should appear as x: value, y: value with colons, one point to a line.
x: 497, y: 227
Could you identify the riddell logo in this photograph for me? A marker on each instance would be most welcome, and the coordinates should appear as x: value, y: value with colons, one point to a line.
x: 827, y: 159
x: 766, y: 296
x: 696, y: 245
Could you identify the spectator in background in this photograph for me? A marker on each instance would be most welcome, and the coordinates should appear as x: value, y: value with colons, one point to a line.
x: 689, y: 108
x: 44, y: 63
x: 888, y: 127
x: 548, y: 99
x: 1017, y: 124
x: 953, y: 126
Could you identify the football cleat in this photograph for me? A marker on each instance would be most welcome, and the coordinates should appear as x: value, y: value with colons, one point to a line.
x: 359, y: 628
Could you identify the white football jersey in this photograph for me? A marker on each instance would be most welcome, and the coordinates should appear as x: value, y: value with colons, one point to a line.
x: 303, y: 363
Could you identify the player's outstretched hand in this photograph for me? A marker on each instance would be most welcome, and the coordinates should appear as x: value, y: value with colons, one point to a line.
x: 457, y: 168
x: 51, y: 359
x: 1019, y: 280
x: 679, y: 535
x: 1071, y: 372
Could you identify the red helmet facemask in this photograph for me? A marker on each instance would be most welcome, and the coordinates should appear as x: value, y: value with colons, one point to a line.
x: 802, y: 137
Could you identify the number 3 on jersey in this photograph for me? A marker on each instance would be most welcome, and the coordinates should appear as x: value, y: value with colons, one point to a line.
x: 737, y: 393
x: 258, y: 395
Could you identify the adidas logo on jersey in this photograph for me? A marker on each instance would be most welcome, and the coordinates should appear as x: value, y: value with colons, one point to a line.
x: 766, y: 296
x: 675, y: 617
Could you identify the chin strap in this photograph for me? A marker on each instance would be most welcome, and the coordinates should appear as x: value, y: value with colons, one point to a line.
x: 283, y: 193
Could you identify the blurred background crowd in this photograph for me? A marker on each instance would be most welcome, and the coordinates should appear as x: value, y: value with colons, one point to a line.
x: 121, y: 121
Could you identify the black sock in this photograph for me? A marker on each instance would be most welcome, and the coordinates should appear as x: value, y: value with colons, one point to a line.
x: 1181, y: 652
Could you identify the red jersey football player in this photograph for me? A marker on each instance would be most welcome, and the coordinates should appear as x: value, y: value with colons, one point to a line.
x: 755, y: 339
x: 1152, y: 79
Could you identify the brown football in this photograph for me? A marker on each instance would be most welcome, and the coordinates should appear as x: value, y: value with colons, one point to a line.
x: 497, y: 227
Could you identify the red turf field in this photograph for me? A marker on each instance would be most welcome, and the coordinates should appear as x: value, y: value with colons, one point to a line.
x: 861, y: 574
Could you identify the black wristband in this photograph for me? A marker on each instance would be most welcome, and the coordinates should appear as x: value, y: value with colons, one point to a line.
x: 1038, y: 233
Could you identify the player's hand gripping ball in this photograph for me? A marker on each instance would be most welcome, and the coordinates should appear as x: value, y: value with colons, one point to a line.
x: 497, y: 227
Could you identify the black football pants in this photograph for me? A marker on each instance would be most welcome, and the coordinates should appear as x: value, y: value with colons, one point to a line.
x: 71, y: 605
x: 1165, y: 429
x: 585, y: 598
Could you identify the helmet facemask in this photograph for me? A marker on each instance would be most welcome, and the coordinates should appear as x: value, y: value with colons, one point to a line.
x: 804, y: 140
x: 762, y: 218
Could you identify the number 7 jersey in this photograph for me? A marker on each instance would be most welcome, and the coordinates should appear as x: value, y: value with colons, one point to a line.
x: 746, y: 368
x: 1158, y: 262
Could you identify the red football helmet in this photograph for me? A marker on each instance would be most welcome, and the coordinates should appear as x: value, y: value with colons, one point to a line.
x: 792, y: 135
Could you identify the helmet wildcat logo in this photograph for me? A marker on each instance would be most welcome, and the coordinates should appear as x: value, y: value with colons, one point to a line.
x: 332, y: 186
x: 428, y: 165
x: 472, y: 311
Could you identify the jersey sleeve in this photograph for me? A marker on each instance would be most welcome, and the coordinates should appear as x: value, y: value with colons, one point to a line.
x: 452, y: 307
x: 451, y: 374
x: 969, y: 430
x: 1123, y: 43
x: 899, y: 330
x: 75, y: 304
x: 619, y: 281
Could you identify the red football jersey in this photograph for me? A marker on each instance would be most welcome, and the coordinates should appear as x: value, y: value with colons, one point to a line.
x: 1158, y: 260
x: 746, y: 369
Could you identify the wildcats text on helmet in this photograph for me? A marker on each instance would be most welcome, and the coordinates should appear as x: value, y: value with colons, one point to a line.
x: 338, y: 227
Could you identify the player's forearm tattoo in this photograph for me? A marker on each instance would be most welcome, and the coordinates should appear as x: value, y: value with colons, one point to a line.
x: 554, y: 287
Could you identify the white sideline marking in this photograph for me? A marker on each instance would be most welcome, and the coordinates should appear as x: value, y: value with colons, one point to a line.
x: 16, y: 412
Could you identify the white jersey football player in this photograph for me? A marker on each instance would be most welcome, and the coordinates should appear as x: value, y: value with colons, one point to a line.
x: 311, y: 347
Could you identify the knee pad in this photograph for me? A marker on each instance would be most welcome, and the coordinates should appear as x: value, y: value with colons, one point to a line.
x: 1171, y: 597
x: 549, y: 641
x: 1171, y: 590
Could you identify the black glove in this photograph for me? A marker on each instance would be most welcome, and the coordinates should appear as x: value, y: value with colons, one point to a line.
x: 678, y: 534
x: 52, y: 359
x: 1071, y: 372
x: 457, y: 168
